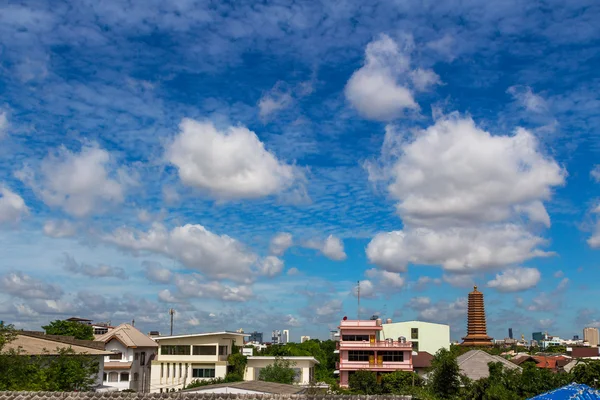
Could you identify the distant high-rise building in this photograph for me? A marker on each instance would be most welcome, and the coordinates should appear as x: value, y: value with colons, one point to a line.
x: 256, y: 337
x: 285, y: 336
x: 476, y: 326
x: 538, y: 336
x: 304, y: 339
x: 590, y: 335
x: 575, y: 337
x: 510, y: 334
x: 276, y: 337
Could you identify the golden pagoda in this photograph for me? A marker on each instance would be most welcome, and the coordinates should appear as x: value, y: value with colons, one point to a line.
x: 476, y: 326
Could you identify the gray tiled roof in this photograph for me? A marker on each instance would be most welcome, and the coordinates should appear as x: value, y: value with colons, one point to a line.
x: 258, y: 386
x: 474, y: 364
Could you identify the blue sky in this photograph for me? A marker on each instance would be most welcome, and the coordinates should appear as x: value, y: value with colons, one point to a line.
x: 248, y: 163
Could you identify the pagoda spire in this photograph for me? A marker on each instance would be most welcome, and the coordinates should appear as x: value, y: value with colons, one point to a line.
x: 476, y: 325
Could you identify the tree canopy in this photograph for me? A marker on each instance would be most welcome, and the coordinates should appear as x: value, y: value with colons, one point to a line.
x: 70, y: 328
x: 281, y: 371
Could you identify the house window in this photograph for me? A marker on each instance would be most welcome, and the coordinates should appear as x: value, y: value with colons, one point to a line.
x: 414, y: 333
x: 359, y: 355
x: 104, y: 377
x: 396, y: 356
x: 222, y: 350
x: 136, y: 377
x: 174, y: 366
x: 115, y: 356
x: 162, y: 370
x: 143, y: 358
x: 136, y: 356
x: 124, y: 376
x: 113, y: 377
x: 180, y: 369
x: 355, y: 338
x: 175, y: 350
x: 205, y: 350
x: 168, y: 369
x: 203, y: 373
x: 415, y: 346
x: 298, y: 375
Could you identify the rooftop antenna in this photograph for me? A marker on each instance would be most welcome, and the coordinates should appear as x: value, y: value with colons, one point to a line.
x: 358, y: 298
x: 171, y: 313
x: 133, y: 322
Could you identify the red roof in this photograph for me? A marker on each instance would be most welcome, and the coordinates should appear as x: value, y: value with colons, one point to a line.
x: 422, y: 360
x: 548, y: 362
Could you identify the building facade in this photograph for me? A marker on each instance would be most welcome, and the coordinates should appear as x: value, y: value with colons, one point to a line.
x: 303, y: 366
x: 128, y: 366
x: 590, y: 335
x: 255, y: 337
x: 363, y: 346
x: 182, y: 359
x: 424, y: 336
x: 304, y: 339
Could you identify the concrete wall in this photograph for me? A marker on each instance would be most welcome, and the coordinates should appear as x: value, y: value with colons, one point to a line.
x: 432, y: 337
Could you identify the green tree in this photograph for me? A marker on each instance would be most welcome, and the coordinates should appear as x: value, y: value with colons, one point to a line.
x: 587, y: 373
x: 7, y: 334
x: 237, y: 362
x: 280, y: 371
x: 400, y: 382
x: 364, y: 382
x: 445, y: 375
x: 70, y: 328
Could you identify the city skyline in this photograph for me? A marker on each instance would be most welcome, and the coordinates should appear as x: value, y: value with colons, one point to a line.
x: 246, y: 165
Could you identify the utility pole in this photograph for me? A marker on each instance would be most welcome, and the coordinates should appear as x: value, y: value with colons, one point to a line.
x: 171, y: 313
x: 358, y: 297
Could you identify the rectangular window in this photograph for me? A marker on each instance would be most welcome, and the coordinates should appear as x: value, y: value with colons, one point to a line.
x: 180, y: 369
x: 205, y: 350
x: 415, y: 346
x: 124, y: 376
x: 355, y: 338
x: 168, y: 369
x: 414, y: 333
x: 396, y: 356
x: 175, y: 350
x: 104, y: 377
x: 143, y: 358
x: 222, y: 350
x: 162, y: 370
x: 113, y: 377
x: 203, y: 373
x: 136, y: 356
x: 359, y: 355
x: 116, y: 356
x: 297, y: 374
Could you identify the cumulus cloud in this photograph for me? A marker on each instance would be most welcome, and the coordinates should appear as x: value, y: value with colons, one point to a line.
x: 275, y: 100
x: 293, y: 271
x: 459, y: 280
x: 461, y: 194
x: 515, y: 279
x: 197, y: 286
x: 455, y: 249
x: 367, y: 290
x: 595, y: 173
x: 528, y: 100
x: 594, y: 240
x: 386, y: 278
x: 270, y: 266
x: 217, y: 256
x: 12, y: 206
x: 24, y: 286
x: 99, y: 271
x: 280, y: 243
x: 332, y: 247
x: 424, y: 281
x: 444, y: 312
x: 228, y: 164
x: 79, y: 183
x: 59, y: 228
x: 380, y: 89
x: 155, y: 272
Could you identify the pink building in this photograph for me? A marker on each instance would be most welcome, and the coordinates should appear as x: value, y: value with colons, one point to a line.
x: 361, y: 345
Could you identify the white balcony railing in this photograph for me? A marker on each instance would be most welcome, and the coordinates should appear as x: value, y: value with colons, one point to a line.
x: 377, y: 344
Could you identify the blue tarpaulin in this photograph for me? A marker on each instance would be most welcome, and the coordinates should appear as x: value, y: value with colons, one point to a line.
x: 574, y: 391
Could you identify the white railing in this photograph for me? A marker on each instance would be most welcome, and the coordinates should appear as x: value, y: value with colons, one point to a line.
x: 379, y: 343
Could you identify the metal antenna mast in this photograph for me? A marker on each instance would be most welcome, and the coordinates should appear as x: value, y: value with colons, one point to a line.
x: 171, y: 313
x: 358, y: 297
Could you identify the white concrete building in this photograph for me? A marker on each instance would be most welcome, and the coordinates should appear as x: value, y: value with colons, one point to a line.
x: 128, y: 367
x: 424, y: 336
x: 184, y: 358
x: 304, y: 339
x: 304, y: 367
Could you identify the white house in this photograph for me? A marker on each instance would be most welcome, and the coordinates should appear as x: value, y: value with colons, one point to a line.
x: 128, y: 367
x: 424, y: 336
x: 304, y: 367
x: 184, y: 358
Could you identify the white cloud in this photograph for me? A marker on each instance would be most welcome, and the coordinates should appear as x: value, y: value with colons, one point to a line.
x: 79, y: 183
x: 217, y: 256
x: 196, y: 286
x: 424, y: 281
x: 444, y: 312
x: 454, y: 173
x: 12, y: 206
x: 24, y: 286
x: 99, y: 271
x: 529, y: 100
x: 386, y: 279
x: 275, y: 100
x: 459, y: 280
x: 280, y: 243
x: 515, y: 279
x: 166, y: 296
x: 155, y: 272
x: 293, y: 271
x: 367, y: 290
x: 3, y: 124
x: 419, y: 303
x: 546, y: 323
x: 228, y: 164
x: 455, y: 249
x: 270, y: 266
x: 562, y: 285
x: 595, y: 173
x: 379, y: 89
x: 332, y: 247
x: 59, y: 228
x: 446, y: 46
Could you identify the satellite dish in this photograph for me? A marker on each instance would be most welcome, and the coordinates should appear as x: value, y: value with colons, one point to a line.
x: 345, y: 318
